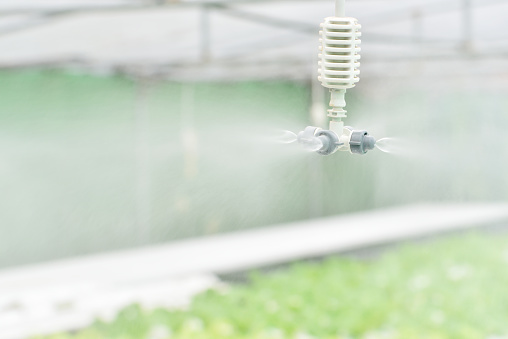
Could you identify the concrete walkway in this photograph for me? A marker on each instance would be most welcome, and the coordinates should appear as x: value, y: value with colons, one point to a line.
x: 69, y: 294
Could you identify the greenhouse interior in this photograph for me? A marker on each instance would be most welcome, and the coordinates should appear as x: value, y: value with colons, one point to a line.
x: 205, y: 169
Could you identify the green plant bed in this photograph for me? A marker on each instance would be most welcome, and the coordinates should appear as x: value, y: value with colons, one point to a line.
x: 451, y: 288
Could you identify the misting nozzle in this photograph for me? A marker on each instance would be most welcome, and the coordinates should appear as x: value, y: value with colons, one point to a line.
x: 321, y: 141
x: 361, y: 142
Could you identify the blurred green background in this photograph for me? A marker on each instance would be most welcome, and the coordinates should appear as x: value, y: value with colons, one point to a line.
x: 94, y: 163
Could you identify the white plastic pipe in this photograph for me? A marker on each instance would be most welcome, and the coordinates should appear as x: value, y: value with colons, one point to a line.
x: 340, y: 8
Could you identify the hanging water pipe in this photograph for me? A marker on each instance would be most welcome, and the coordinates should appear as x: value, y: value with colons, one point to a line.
x: 339, y: 62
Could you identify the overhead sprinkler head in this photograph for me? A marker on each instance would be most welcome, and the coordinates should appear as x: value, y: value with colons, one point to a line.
x: 339, y: 62
x: 327, y: 142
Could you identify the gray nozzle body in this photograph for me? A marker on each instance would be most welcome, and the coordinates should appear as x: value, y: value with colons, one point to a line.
x: 330, y: 142
x: 327, y: 141
x: 361, y: 142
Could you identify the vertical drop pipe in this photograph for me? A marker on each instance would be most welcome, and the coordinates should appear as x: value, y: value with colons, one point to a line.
x: 205, y: 46
x: 340, y: 8
x: 143, y: 166
x: 467, y: 26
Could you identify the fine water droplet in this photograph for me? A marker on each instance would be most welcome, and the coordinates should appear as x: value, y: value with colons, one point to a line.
x: 287, y: 137
x: 387, y: 145
x: 312, y: 144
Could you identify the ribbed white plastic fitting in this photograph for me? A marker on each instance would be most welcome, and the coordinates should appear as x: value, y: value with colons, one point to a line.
x: 339, y: 53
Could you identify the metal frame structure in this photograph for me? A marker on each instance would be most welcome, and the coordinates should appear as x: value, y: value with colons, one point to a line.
x: 38, y: 14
